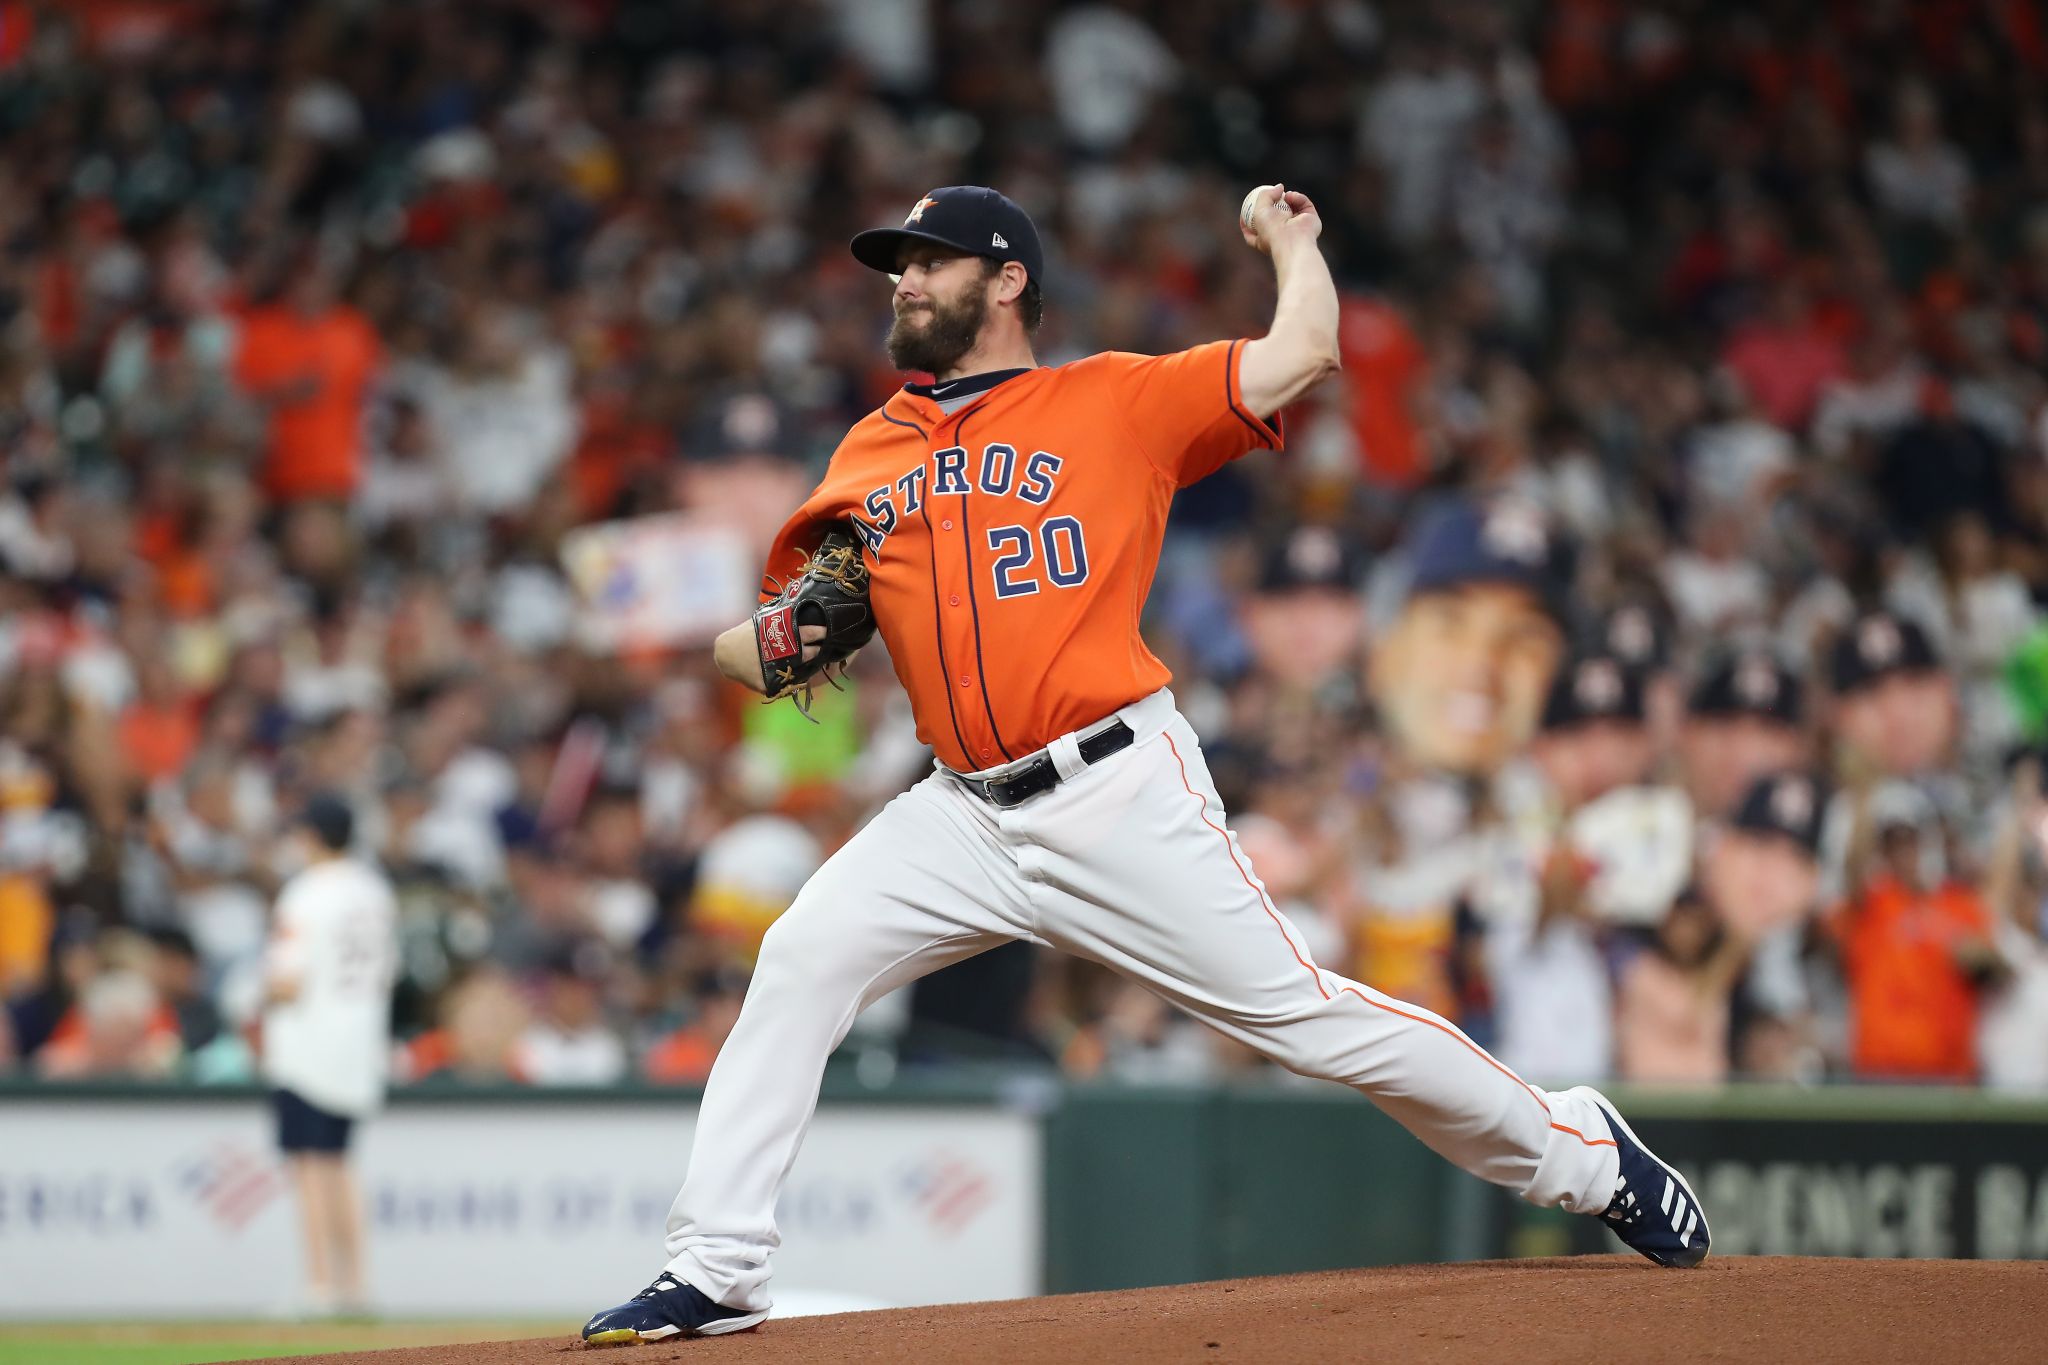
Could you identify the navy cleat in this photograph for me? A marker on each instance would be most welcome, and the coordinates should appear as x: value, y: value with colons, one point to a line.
x: 666, y: 1308
x: 1654, y: 1210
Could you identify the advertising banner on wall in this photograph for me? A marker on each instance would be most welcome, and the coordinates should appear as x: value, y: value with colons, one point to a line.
x: 1844, y: 1188
x: 497, y: 1209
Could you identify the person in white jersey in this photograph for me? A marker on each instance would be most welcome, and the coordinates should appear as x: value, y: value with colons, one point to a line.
x: 327, y: 1037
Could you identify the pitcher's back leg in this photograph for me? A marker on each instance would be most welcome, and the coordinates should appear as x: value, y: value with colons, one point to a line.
x: 1143, y: 875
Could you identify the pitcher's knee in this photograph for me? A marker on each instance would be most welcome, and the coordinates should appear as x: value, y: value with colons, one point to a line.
x: 797, y: 959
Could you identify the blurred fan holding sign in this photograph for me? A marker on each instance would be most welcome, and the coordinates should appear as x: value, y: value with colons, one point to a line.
x: 658, y: 582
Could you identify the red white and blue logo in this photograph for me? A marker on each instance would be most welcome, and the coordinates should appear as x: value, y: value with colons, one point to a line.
x: 231, y: 1182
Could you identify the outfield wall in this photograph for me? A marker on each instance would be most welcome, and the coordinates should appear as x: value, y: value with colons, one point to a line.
x: 1263, y: 1182
x: 967, y: 1186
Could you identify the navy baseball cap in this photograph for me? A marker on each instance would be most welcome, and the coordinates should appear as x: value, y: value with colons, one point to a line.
x: 1792, y: 805
x: 1502, y: 540
x: 1751, y: 682
x: 1312, y: 557
x: 969, y: 218
x: 1591, y: 688
x: 1877, y: 645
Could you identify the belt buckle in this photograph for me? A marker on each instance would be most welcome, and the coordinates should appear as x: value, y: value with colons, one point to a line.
x: 996, y: 791
x: 983, y: 787
x: 1008, y: 785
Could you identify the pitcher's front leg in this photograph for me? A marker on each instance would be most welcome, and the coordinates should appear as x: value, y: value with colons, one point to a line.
x: 919, y: 887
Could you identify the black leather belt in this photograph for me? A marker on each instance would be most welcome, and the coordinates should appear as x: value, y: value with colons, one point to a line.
x: 1039, y: 775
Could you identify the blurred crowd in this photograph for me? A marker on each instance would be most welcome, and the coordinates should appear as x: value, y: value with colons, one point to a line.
x: 322, y: 324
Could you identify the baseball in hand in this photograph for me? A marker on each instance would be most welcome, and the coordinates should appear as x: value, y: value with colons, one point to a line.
x: 1266, y: 209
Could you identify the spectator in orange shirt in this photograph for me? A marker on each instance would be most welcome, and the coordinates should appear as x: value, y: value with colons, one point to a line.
x: 1784, y: 357
x: 1385, y: 368
x: 307, y: 359
x: 161, y: 726
x: 1916, y: 952
x: 28, y: 921
x: 118, y: 1028
x: 482, y: 1017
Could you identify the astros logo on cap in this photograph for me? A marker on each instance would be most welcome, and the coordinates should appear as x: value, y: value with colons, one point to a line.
x: 1792, y: 802
x: 1598, y: 685
x: 1313, y: 552
x: 1514, y: 530
x: 1877, y: 639
x: 1630, y: 634
x: 1756, y: 682
x: 917, y: 214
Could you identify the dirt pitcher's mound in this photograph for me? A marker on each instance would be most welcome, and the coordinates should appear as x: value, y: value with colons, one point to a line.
x: 1762, y: 1309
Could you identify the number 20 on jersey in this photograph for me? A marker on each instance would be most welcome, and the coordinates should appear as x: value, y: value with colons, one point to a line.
x: 1056, y: 553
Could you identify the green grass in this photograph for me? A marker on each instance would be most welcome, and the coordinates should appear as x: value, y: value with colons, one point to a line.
x: 57, y: 1351
x: 188, y: 1343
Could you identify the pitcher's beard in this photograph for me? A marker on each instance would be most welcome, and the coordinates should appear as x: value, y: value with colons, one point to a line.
x: 948, y: 334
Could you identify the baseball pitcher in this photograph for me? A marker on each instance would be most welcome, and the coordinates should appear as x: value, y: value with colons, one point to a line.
x: 1000, y: 527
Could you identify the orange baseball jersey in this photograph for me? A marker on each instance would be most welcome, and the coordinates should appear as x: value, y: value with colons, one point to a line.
x: 1011, y: 542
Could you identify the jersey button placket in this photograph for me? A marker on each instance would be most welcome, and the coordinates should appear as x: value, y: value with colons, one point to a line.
x: 959, y: 644
x: 962, y: 637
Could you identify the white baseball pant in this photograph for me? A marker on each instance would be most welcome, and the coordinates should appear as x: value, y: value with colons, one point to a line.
x: 1127, y: 862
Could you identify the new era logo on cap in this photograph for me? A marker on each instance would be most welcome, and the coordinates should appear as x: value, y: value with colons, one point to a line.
x: 997, y: 239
